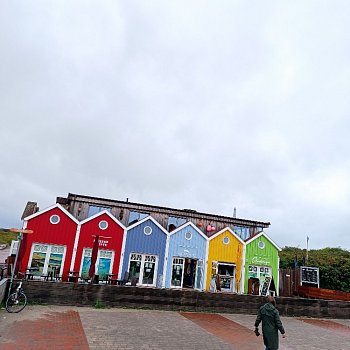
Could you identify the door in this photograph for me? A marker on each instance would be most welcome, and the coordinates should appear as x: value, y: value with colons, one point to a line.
x: 177, y: 272
x: 104, y: 263
x: 184, y: 273
x: 258, y: 274
x: 189, y: 273
x: 143, y: 268
x: 199, y: 275
x: 47, y: 258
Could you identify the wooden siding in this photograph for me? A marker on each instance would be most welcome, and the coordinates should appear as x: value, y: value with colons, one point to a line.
x: 138, y: 242
x: 78, y: 206
x: 109, y: 239
x: 45, y: 232
x: 261, y: 257
x: 179, y: 246
x: 229, y: 253
x: 289, y: 281
x: 320, y: 293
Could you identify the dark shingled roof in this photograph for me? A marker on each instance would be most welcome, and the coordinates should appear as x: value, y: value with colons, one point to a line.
x: 31, y: 208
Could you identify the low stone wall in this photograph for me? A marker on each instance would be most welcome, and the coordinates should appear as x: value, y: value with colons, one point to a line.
x: 3, y: 284
x: 173, y: 299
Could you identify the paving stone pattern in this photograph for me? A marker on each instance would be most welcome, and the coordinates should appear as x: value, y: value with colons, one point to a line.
x: 133, y: 329
x: 306, y: 334
x: 47, y: 330
x: 66, y: 327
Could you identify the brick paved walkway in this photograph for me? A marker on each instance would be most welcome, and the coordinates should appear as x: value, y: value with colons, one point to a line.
x: 58, y: 327
x: 54, y: 330
x: 231, y: 332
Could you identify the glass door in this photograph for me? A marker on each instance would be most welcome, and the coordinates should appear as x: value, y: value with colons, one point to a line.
x: 143, y: 268
x: 135, y: 266
x: 257, y: 275
x: 177, y: 272
x: 104, y: 263
x: 199, y: 275
x: 148, y: 270
x: 47, y: 258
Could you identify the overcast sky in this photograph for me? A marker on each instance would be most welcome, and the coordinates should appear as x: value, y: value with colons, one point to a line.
x: 205, y: 105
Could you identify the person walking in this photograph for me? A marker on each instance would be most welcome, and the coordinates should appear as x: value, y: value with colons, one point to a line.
x: 271, y: 324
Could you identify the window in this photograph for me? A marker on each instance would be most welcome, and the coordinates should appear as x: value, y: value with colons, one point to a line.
x: 135, y: 216
x: 227, y: 276
x: 47, y: 258
x: 226, y: 240
x: 95, y: 209
x: 261, y: 244
x: 54, y: 219
x: 242, y: 232
x: 103, y: 224
x: 174, y: 222
x: 143, y: 268
x: 259, y: 272
x: 188, y: 235
x: 103, y: 262
x: 147, y: 230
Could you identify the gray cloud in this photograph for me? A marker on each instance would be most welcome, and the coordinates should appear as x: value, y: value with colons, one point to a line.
x: 194, y: 104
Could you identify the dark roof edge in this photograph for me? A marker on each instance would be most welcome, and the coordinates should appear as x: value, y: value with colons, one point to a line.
x: 185, y: 212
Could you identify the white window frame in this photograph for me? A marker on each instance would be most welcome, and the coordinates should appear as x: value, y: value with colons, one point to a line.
x: 259, y: 272
x: 233, y: 277
x: 88, y: 251
x: 47, y: 257
x: 178, y: 263
x: 199, y: 265
x: 144, y: 258
x: 55, y: 216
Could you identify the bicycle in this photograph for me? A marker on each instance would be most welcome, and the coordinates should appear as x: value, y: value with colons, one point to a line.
x: 16, y: 301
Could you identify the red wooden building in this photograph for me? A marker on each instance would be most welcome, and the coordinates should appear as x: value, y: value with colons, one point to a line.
x: 110, y: 234
x: 50, y: 246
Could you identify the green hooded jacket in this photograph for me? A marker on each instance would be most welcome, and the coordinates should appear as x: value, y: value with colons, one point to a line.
x: 271, y: 323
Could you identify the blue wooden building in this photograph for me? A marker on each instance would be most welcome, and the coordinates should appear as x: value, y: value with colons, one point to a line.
x: 186, y: 258
x: 143, y: 255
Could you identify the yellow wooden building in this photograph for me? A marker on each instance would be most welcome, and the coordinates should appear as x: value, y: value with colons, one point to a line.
x: 225, y: 257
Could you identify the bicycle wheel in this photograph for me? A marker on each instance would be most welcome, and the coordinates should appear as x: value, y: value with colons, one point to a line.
x: 16, y: 302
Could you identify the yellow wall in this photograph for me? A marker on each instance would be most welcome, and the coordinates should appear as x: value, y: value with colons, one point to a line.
x: 230, y: 253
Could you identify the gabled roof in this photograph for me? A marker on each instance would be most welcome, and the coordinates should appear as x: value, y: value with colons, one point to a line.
x: 224, y: 230
x: 30, y: 209
x: 146, y: 219
x: 189, y: 224
x: 58, y: 206
x: 262, y: 233
x: 102, y: 213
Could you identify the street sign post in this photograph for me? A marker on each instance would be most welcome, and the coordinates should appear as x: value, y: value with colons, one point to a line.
x: 19, y: 230
x: 20, y: 237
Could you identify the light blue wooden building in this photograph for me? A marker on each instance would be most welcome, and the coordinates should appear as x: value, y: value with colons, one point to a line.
x: 186, y: 258
x: 143, y: 253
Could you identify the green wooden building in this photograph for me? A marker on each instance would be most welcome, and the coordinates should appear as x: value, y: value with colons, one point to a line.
x: 261, y: 264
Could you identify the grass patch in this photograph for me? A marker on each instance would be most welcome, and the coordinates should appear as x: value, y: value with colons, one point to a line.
x: 7, y: 237
x: 99, y: 305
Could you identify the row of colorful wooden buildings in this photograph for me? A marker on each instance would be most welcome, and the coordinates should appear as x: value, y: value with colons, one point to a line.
x: 185, y: 257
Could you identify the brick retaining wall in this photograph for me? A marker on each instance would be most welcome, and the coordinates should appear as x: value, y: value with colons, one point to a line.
x: 173, y: 299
